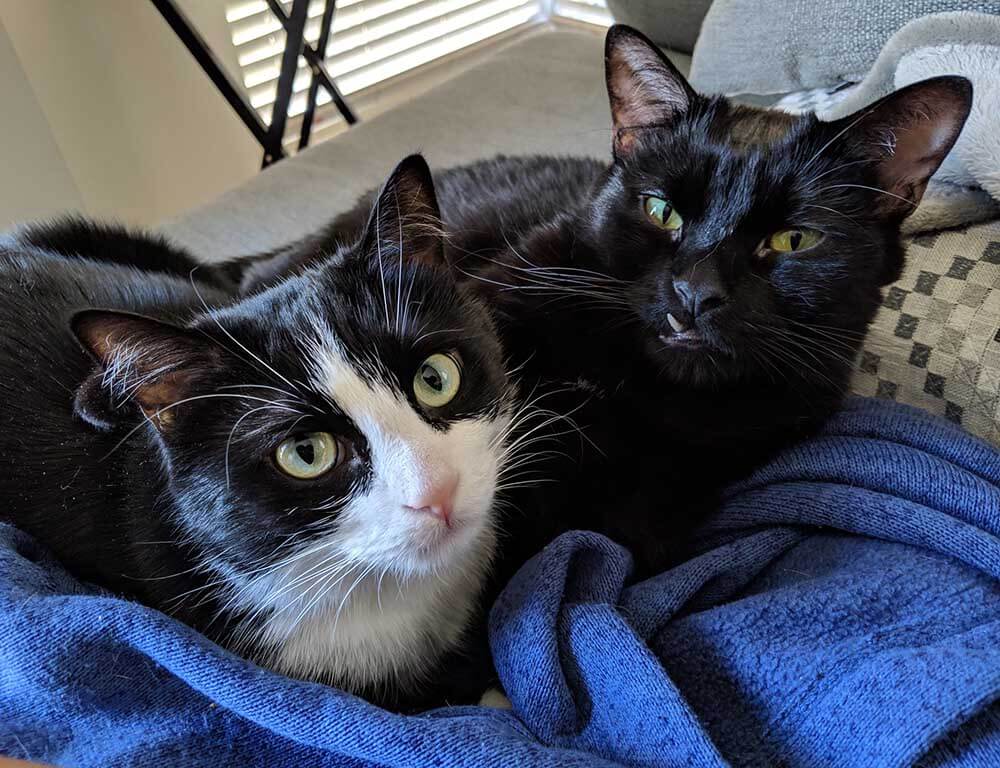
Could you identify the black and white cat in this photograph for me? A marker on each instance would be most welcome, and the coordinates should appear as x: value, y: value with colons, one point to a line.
x: 712, y: 285
x: 309, y: 476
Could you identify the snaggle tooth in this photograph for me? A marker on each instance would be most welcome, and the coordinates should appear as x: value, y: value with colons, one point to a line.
x: 676, y: 324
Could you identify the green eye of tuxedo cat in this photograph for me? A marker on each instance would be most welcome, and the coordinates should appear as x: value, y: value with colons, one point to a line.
x: 307, y: 457
x: 793, y: 240
x: 661, y: 213
x: 437, y: 380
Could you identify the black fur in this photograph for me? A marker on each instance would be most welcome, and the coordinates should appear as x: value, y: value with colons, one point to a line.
x: 73, y: 237
x: 140, y: 425
x: 584, y: 283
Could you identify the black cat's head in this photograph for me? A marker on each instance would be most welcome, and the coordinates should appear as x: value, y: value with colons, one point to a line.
x: 344, y: 427
x: 754, y: 242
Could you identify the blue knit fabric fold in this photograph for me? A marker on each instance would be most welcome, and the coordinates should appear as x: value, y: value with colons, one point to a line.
x: 842, y: 609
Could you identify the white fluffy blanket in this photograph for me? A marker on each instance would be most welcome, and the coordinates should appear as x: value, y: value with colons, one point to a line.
x: 966, y: 189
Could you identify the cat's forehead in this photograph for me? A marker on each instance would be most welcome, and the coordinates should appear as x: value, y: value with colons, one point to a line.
x: 749, y: 143
x: 750, y: 129
x: 365, y: 313
x: 723, y: 139
x: 368, y: 296
x: 727, y: 161
x: 362, y: 324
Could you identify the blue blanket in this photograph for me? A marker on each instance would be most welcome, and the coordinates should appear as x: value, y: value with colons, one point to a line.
x: 843, y: 609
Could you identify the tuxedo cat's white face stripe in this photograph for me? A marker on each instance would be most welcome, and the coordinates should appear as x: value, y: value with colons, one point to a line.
x: 360, y: 629
x: 412, y: 463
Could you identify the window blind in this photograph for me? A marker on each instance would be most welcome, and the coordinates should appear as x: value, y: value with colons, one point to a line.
x: 588, y: 11
x: 371, y: 40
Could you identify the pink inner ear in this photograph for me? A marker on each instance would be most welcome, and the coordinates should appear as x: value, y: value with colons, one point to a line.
x: 149, y: 362
x: 406, y: 219
x: 918, y: 150
x: 410, y: 226
x: 909, y: 134
x: 645, y: 96
x: 644, y: 91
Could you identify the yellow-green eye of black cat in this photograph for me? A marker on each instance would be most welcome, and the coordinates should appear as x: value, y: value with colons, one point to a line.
x: 793, y: 240
x: 662, y: 213
x: 307, y: 457
x: 437, y: 380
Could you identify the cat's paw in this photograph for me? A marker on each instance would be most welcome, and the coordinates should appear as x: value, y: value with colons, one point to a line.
x: 495, y: 699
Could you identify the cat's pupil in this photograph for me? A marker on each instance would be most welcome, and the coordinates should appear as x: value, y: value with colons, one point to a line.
x: 432, y: 378
x: 306, y: 451
x: 795, y: 238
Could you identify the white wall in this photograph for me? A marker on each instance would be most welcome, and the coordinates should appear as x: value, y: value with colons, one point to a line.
x: 141, y: 131
x: 35, y: 180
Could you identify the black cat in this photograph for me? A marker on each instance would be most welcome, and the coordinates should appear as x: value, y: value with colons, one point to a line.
x: 74, y: 237
x: 308, y: 476
x: 707, y: 292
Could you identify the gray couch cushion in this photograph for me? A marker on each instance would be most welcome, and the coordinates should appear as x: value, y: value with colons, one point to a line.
x: 936, y: 341
x: 779, y: 46
x: 673, y: 24
x: 543, y: 94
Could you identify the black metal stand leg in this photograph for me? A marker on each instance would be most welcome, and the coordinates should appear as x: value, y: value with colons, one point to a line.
x: 269, y: 136
x: 315, y: 57
x: 295, y: 27
x: 321, y: 44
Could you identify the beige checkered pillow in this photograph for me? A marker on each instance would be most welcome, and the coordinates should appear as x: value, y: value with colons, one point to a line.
x: 936, y: 341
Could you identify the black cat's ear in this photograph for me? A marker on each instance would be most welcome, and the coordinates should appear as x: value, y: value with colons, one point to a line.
x: 644, y: 88
x: 907, y: 135
x: 405, y: 223
x: 142, y: 362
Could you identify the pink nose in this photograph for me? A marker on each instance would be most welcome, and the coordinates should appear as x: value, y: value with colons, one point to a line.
x: 437, y: 500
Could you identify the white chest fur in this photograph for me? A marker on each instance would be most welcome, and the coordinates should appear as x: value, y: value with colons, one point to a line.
x: 359, y: 628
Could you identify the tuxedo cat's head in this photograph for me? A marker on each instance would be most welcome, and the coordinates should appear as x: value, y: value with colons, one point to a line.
x: 754, y: 242
x: 341, y: 429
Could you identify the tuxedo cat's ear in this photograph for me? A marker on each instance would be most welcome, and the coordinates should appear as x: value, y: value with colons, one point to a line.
x: 142, y: 362
x: 405, y: 222
x: 907, y: 135
x: 644, y: 88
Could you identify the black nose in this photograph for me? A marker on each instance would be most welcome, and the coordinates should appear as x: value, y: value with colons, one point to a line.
x: 701, y: 294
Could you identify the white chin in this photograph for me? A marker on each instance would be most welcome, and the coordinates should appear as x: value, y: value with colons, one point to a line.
x: 438, y: 548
